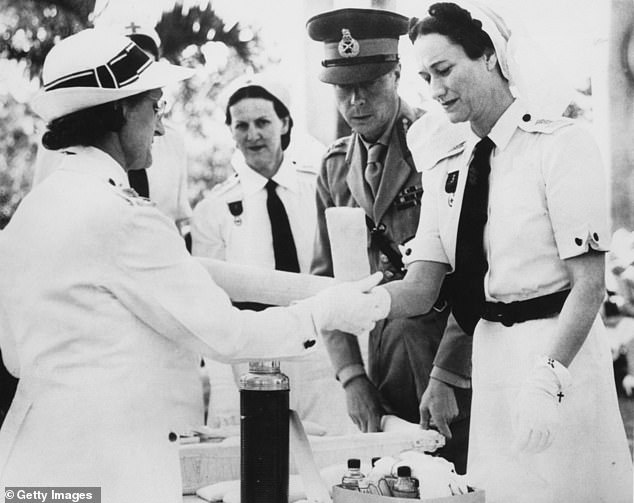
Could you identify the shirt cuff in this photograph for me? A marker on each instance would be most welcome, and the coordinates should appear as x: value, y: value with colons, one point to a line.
x: 349, y: 372
x: 450, y: 378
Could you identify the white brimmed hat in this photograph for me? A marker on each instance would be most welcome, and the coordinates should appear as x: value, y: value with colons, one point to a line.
x: 133, y: 28
x: 97, y: 66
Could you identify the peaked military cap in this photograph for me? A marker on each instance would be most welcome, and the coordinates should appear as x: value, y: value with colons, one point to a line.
x: 360, y: 44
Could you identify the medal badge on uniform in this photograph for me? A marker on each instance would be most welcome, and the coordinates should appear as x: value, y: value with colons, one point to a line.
x: 236, y: 209
x: 348, y: 47
x: 451, y: 184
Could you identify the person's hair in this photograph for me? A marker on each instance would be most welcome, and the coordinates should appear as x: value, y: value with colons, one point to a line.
x: 86, y: 127
x: 457, y: 25
x: 146, y: 43
x: 259, y: 92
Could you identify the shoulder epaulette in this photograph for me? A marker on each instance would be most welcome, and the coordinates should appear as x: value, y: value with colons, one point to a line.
x: 532, y: 124
x: 223, y: 188
x: 339, y: 147
x: 130, y: 196
x: 305, y: 169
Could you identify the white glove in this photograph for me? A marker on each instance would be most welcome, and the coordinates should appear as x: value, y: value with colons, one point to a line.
x: 349, y: 308
x: 536, y: 413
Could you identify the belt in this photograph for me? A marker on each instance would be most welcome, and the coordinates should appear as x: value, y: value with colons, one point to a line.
x: 524, y: 310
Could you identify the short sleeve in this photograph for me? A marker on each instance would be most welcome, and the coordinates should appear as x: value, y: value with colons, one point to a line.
x: 426, y: 244
x: 207, y: 239
x: 576, y: 193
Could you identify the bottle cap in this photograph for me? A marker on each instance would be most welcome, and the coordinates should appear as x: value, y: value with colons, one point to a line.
x: 404, y: 471
x: 354, y: 463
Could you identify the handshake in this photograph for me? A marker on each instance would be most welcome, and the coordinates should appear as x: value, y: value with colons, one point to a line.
x: 352, y: 307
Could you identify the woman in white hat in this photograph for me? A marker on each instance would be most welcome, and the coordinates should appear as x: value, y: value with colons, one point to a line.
x: 233, y: 223
x: 517, y: 213
x: 103, y: 312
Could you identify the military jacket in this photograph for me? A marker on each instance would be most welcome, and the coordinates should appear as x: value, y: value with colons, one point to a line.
x: 395, y: 214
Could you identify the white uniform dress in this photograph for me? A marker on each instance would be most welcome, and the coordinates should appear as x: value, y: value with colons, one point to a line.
x: 167, y: 177
x: 103, y: 316
x: 547, y: 202
x: 231, y: 223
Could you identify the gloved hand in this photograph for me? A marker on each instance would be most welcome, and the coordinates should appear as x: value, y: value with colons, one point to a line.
x: 349, y: 308
x: 536, y: 413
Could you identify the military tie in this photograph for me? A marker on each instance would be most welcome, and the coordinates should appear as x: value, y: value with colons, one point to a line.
x: 138, y: 181
x: 374, y: 167
x: 283, y: 243
x: 467, y: 282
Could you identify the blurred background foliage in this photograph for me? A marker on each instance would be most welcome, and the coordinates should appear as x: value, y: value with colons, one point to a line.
x: 194, y: 36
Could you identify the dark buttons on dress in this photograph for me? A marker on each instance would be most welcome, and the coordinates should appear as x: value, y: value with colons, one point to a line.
x: 309, y: 343
x: 173, y: 437
x: 595, y: 236
x: 408, y: 252
x: 526, y: 117
x: 578, y: 241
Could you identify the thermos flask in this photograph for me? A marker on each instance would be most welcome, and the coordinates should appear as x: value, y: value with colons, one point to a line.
x: 264, y: 434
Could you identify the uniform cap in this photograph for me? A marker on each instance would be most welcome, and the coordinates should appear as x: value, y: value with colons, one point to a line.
x: 97, y: 66
x: 266, y: 81
x: 359, y: 44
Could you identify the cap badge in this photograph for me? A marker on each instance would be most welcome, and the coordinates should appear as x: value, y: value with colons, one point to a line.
x: 348, y: 46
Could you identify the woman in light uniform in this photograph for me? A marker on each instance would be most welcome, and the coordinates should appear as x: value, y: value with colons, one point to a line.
x: 103, y: 313
x: 545, y: 420
x: 232, y: 223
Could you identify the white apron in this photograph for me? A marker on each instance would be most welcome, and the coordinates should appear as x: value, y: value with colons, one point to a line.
x: 588, y: 461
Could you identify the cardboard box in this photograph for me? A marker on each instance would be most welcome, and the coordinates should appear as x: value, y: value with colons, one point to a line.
x: 341, y: 495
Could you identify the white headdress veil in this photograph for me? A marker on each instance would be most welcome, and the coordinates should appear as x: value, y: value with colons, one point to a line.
x: 533, y: 77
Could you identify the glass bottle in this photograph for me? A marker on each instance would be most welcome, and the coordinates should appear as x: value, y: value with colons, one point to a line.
x: 351, y: 478
x: 405, y: 485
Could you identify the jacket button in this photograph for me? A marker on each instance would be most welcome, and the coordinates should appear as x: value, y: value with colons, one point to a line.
x: 173, y: 437
x: 526, y: 117
x: 408, y: 252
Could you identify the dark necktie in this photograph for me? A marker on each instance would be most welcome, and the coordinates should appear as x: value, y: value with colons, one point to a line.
x: 138, y: 181
x: 374, y: 167
x: 467, y: 282
x: 283, y: 243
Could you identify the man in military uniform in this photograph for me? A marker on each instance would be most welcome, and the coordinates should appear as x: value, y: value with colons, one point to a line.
x: 373, y: 169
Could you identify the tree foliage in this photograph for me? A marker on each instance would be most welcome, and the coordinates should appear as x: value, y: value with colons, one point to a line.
x: 195, y: 37
x: 179, y: 30
x: 29, y: 28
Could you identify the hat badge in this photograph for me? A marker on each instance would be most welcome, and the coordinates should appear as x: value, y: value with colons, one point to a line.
x: 348, y: 47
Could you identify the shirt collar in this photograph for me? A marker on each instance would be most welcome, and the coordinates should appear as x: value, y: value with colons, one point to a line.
x: 253, y: 181
x: 506, y: 125
x: 95, y: 161
x: 502, y: 130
